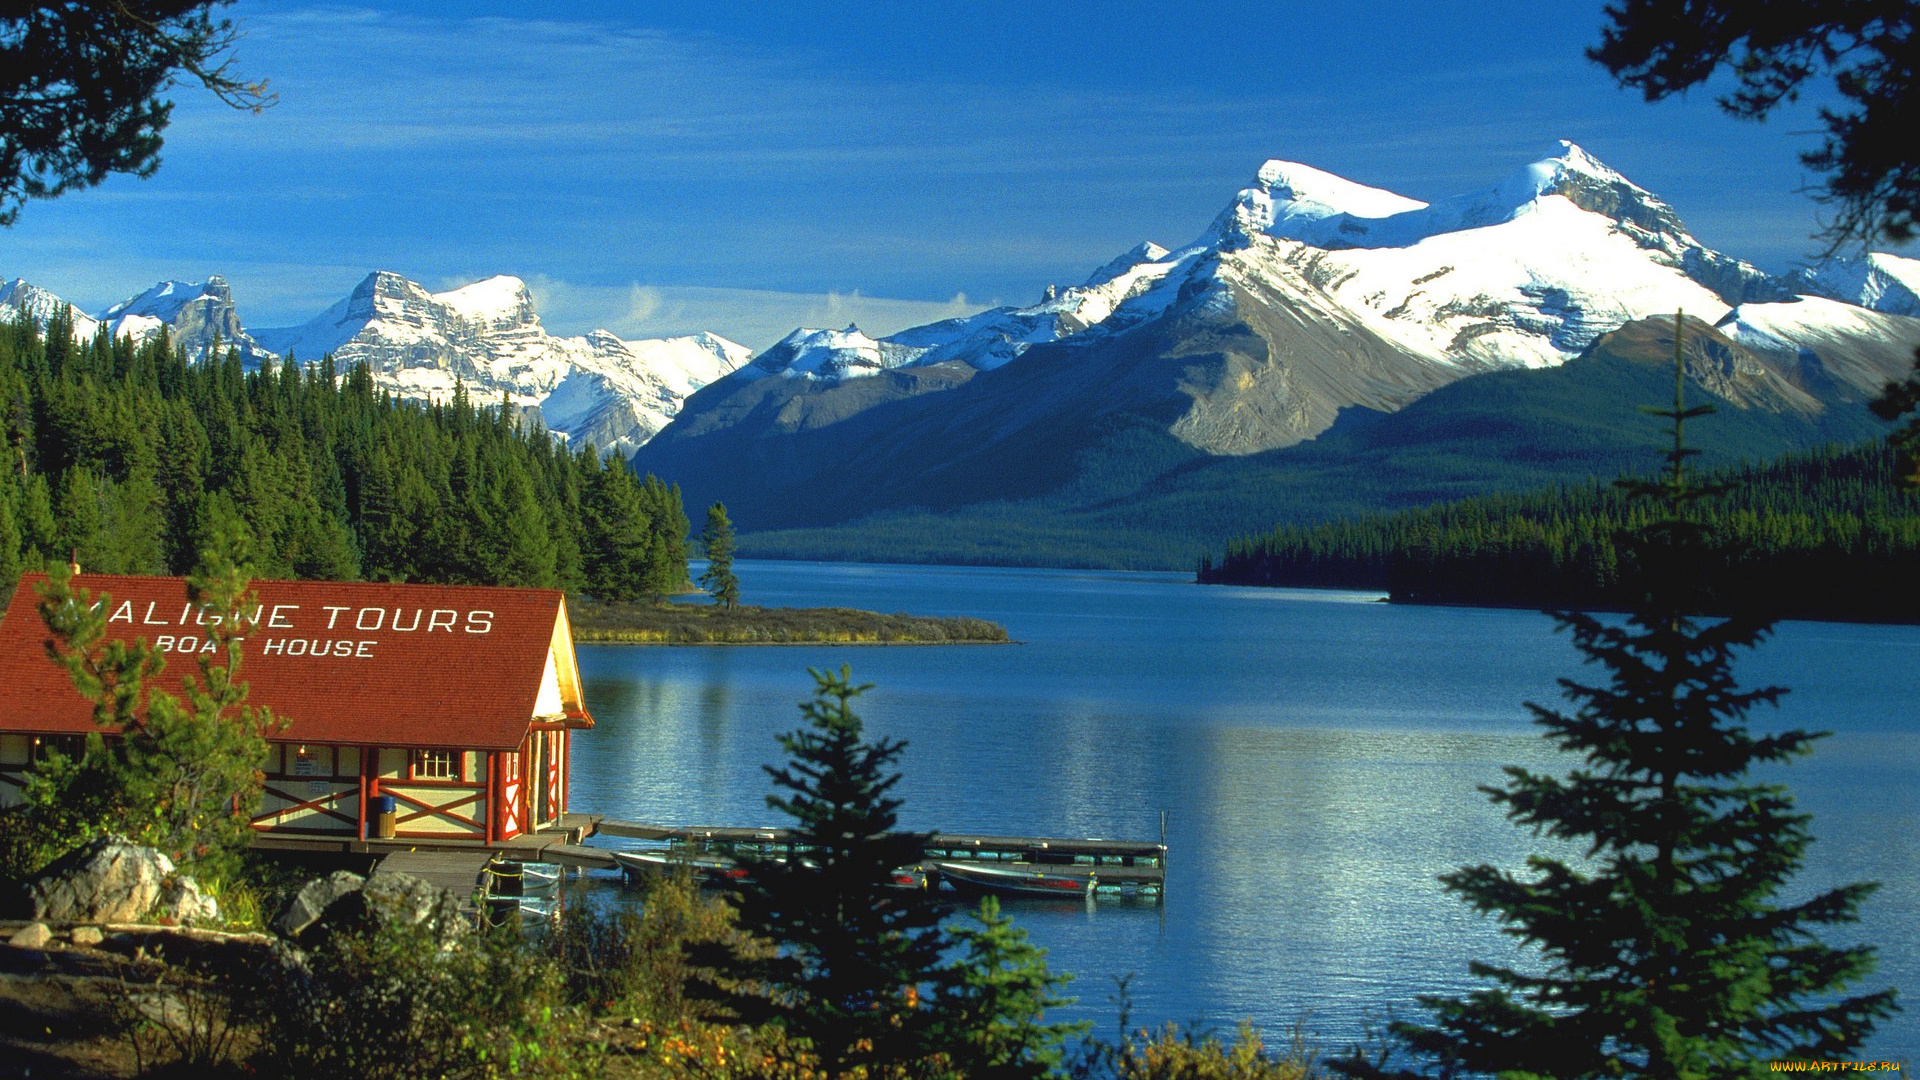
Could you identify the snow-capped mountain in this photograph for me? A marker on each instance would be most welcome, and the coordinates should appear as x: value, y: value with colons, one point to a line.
x: 1309, y: 295
x: 199, y: 315
x: 420, y: 345
x: 487, y: 337
x: 1877, y: 281
x: 19, y: 297
x: 1376, y: 297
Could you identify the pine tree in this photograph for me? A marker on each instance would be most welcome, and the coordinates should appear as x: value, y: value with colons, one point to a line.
x: 718, y: 578
x: 857, y: 958
x: 1667, y: 951
x: 10, y: 539
x: 993, y: 1008
x: 1898, y: 400
x: 181, y: 772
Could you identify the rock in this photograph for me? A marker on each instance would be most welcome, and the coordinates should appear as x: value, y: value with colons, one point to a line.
x: 110, y: 880
x: 313, y: 900
x: 86, y: 937
x: 410, y: 900
x: 183, y: 902
x: 32, y: 936
x: 344, y: 901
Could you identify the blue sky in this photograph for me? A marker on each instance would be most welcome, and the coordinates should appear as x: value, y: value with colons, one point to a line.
x: 658, y: 169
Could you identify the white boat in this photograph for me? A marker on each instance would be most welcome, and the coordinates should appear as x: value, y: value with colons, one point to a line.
x: 711, y: 869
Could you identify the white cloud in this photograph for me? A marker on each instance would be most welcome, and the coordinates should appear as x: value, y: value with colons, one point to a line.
x: 755, y: 318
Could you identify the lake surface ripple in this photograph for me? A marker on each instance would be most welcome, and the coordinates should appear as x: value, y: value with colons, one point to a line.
x: 1318, y: 755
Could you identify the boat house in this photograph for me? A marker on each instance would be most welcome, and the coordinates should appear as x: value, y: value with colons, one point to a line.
x: 455, y: 702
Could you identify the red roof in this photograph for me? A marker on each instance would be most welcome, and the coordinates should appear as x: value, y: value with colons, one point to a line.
x: 346, y: 663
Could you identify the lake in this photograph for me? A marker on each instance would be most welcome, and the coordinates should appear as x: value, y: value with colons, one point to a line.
x: 1317, y: 754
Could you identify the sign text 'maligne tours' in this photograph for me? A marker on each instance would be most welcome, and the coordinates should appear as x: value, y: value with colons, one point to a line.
x: 294, y: 629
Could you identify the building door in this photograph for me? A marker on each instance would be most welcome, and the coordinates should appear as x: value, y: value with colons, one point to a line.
x: 536, y: 779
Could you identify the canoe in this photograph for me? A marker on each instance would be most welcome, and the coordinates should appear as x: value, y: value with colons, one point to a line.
x: 1020, y: 879
x: 709, y: 869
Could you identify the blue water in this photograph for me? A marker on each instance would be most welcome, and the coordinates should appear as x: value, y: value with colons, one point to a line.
x: 1317, y: 754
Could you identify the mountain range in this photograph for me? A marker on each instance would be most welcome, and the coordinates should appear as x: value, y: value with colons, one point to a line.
x: 1322, y: 347
x: 485, y: 337
x: 1244, y: 378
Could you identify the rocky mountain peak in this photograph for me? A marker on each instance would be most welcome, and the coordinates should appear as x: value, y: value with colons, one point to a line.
x: 502, y: 302
x: 39, y: 305
x: 1582, y: 180
x: 200, y: 315
x: 1139, y: 254
x: 1877, y: 281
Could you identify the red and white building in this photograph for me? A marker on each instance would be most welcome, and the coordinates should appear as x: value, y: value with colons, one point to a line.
x: 459, y: 702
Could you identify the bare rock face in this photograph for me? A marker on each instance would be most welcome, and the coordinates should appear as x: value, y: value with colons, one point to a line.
x: 183, y: 902
x: 110, y: 880
x: 344, y: 901
x: 313, y: 900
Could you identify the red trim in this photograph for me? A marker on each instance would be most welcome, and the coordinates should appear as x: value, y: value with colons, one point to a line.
x: 310, y: 804
x: 445, y: 810
x: 298, y: 830
x: 553, y: 777
x: 494, y: 831
x: 476, y: 785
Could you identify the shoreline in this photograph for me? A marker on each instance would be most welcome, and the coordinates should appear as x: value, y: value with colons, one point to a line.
x: 636, y: 623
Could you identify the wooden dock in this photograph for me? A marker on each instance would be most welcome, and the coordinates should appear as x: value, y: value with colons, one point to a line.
x: 1121, y: 866
x: 1110, y: 867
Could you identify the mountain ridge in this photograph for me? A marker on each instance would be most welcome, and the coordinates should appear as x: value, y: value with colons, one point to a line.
x: 485, y: 337
x: 1254, y: 339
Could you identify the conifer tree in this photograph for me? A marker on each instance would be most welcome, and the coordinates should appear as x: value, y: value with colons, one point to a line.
x: 718, y: 578
x: 1898, y: 400
x: 1667, y: 951
x: 10, y: 560
x: 993, y: 1008
x: 181, y: 772
x: 857, y: 958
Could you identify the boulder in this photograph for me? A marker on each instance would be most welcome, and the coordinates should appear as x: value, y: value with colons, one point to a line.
x: 313, y: 900
x: 110, y: 880
x: 32, y: 936
x: 86, y: 937
x: 344, y: 901
x: 184, y: 903
x: 411, y: 901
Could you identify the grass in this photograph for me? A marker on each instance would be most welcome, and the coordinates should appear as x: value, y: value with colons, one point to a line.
x: 595, y: 623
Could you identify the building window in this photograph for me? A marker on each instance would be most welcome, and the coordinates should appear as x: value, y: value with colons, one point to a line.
x: 433, y: 765
x: 511, y: 764
x: 72, y: 747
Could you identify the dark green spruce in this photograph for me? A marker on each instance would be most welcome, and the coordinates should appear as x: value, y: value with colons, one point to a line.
x: 718, y: 579
x: 1667, y: 949
x: 1820, y: 534
x: 857, y: 962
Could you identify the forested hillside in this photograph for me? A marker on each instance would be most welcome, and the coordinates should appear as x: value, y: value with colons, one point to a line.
x: 121, y: 457
x: 1824, y: 534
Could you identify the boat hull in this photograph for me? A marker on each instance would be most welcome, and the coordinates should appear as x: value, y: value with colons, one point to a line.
x: 1054, y: 882
x: 708, y: 869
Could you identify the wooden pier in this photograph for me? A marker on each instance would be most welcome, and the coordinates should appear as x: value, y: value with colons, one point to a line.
x: 1104, y: 867
x: 1108, y: 867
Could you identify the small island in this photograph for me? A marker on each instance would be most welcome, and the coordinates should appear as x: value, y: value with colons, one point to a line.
x: 642, y: 623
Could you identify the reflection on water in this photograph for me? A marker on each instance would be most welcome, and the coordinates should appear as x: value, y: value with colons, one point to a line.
x: 1318, y: 756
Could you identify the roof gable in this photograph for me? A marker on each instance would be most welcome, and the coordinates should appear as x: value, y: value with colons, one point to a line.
x: 345, y: 662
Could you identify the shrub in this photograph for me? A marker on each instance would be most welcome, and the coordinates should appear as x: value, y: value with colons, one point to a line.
x: 390, y: 1003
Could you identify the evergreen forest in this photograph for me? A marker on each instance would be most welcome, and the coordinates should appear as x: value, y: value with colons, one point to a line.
x: 124, y: 458
x: 1815, y: 534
